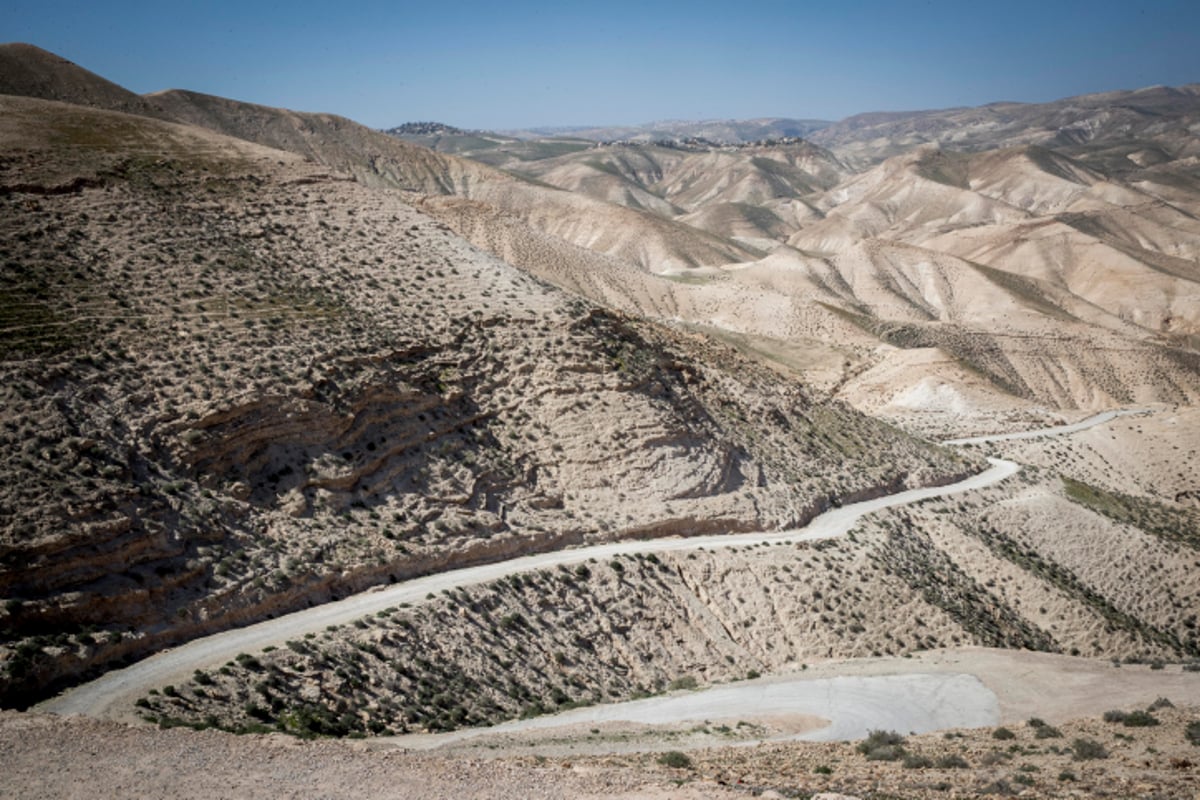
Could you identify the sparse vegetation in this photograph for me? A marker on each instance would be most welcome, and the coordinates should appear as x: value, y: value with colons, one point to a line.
x: 675, y: 760
x: 1084, y: 749
x: 882, y: 746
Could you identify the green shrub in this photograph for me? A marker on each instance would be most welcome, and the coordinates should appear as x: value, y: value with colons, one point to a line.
x: 882, y: 746
x: 1192, y: 732
x: 1139, y: 719
x: 1067, y: 775
x: 879, y: 739
x: 1003, y: 734
x: 685, y: 682
x: 1087, y: 750
x: 823, y: 770
x: 916, y: 762
x: 1114, y: 716
x: 1047, y: 732
x: 675, y: 760
x: 885, y: 753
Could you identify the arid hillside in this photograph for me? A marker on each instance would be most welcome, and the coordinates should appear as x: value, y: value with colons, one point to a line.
x: 237, y: 383
x: 379, y: 160
x: 960, y: 279
x: 1157, y: 121
x: 963, y: 278
x: 255, y: 360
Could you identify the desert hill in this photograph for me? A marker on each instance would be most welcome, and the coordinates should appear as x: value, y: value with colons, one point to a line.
x: 1157, y: 119
x: 729, y: 131
x: 782, y: 247
x: 254, y: 360
x: 1002, y: 261
x: 377, y: 159
x: 236, y: 382
x: 29, y: 71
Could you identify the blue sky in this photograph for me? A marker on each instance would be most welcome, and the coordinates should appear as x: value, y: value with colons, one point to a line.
x: 516, y: 64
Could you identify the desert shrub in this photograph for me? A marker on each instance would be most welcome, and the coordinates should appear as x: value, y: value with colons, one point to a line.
x: 1036, y: 722
x: 882, y: 746
x: 1087, y: 750
x: 1139, y: 719
x: 994, y: 757
x: 1067, y: 775
x: 685, y: 682
x: 1047, y: 732
x: 913, y: 761
x: 823, y: 770
x: 1000, y: 786
x: 1003, y: 734
x: 675, y: 760
x: 1115, y: 716
x: 879, y: 738
x: 1192, y: 732
x: 952, y: 761
x: 1161, y: 702
x: 248, y: 662
x: 885, y: 753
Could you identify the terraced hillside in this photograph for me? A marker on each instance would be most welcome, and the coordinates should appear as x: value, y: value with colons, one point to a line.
x: 237, y: 383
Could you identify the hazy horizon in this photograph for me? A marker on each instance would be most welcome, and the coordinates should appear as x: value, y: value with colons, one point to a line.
x: 535, y: 64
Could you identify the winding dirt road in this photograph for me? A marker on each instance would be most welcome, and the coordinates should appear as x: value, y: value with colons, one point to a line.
x: 112, y: 695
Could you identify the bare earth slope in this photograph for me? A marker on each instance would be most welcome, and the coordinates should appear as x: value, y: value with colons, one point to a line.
x: 237, y: 383
x: 30, y: 71
x: 377, y: 159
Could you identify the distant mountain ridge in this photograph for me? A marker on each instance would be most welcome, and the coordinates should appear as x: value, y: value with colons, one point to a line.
x: 1162, y: 113
x: 727, y: 131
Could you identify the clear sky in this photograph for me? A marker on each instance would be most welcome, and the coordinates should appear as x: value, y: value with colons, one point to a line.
x: 526, y: 63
